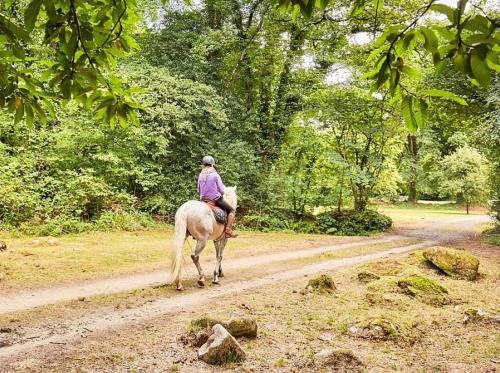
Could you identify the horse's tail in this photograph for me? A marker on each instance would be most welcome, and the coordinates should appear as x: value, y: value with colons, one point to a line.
x: 180, y: 231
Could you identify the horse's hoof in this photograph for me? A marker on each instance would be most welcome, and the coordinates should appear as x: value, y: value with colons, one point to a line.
x: 221, y: 274
x: 180, y: 288
x: 201, y: 284
x: 215, y: 282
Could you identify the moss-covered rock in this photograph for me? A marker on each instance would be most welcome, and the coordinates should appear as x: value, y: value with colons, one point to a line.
x: 366, y: 277
x: 322, y: 284
x: 339, y: 360
x: 424, y: 289
x: 455, y: 263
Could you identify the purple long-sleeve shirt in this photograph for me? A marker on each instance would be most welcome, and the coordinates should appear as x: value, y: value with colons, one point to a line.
x: 210, y: 185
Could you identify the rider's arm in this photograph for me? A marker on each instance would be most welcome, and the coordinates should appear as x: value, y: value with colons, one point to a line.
x: 220, y: 184
x: 199, y: 184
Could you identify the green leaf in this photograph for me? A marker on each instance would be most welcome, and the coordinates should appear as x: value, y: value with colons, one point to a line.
x: 460, y: 63
x: 409, y: 40
x: 29, y: 115
x: 446, y: 10
x: 431, y: 40
x: 480, y: 70
x: 477, y: 23
x: 19, y: 113
x: 407, y: 112
x: 358, y: 7
x: 443, y: 94
x: 410, y: 71
x: 420, y: 112
x: 31, y: 14
x: 17, y: 31
x: 492, y: 61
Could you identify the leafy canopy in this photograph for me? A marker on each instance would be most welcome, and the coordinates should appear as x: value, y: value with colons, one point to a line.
x: 81, y: 41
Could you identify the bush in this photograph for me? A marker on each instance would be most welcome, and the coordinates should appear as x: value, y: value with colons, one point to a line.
x: 269, y: 223
x: 352, y: 223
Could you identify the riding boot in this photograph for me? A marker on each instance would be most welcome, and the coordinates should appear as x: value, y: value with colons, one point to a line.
x: 229, y: 226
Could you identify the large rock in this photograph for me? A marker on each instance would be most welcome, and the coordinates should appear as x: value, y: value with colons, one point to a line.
x: 455, y: 263
x: 237, y: 325
x: 339, y: 360
x: 221, y: 348
x: 424, y: 289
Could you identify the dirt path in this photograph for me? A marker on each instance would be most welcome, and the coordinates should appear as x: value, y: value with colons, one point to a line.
x: 104, y: 320
x: 62, y: 293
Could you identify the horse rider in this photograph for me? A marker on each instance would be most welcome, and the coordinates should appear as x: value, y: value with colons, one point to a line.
x: 211, y: 189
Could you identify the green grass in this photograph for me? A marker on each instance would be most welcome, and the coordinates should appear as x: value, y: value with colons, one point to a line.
x: 413, y: 213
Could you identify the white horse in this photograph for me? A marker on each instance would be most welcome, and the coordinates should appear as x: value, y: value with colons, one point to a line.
x: 196, y: 218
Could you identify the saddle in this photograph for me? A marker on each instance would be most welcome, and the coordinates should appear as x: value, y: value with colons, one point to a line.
x: 219, y: 214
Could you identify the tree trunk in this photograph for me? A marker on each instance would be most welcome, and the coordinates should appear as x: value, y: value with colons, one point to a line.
x: 412, y: 148
x: 467, y: 207
x: 412, y: 191
x: 341, y: 184
x: 360, y: 197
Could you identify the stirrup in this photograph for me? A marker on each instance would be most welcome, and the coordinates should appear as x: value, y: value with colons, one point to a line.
x: 231, y: 234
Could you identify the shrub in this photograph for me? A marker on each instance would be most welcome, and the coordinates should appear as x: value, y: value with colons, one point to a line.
x: 352, y: 223
x: 279, y: 220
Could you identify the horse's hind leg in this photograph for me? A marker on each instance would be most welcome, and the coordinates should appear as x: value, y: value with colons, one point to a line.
x: 195, y: 256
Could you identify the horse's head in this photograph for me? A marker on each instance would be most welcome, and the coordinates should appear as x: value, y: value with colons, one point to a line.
x: 231, y: 197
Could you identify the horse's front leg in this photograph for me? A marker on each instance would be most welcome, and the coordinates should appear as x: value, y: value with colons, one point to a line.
x: 219, y: 249
x: 195, y: 256
x: 221, y: 254
x: 215, y: 279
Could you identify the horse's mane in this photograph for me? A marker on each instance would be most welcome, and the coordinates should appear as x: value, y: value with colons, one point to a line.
x: 231, y: 197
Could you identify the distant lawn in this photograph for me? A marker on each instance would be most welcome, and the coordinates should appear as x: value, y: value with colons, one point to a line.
x: 413, y: 213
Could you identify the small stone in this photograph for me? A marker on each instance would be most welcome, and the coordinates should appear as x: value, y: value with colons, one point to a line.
x: 2, y: 276
x: 354, y: 330
x: 455, y: 263
x: 4, y: 343
x: 81, y: 299
x: 325, y: 337
x: 478, y: 315
x: 221, y: 348
x: 5, y: 330
x: 366, y: 277
x: 36, y: 242
x: 196, y: 339
x: 52, y: 241
x: 3, y: 246
x: 376, y: 329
